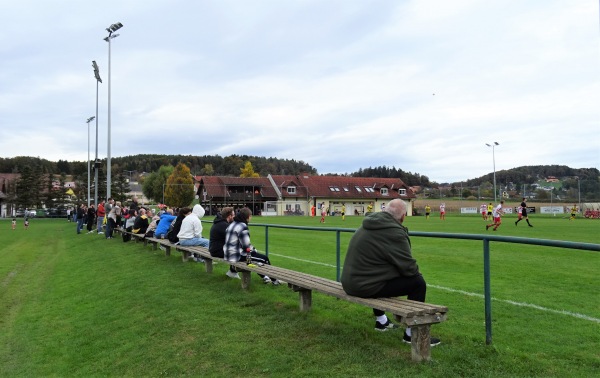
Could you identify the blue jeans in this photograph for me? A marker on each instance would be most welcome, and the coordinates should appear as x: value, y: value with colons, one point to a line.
x: 99, y: 226
x: 79, y: 224
x: 194, y: 241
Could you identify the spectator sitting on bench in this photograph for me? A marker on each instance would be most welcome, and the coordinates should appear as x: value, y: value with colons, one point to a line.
x: 141, y: 223
x: 162, y: 227
x: 237, y: 243
x: 217, y: 237
x: 379, y: 263
x: 190, y: 233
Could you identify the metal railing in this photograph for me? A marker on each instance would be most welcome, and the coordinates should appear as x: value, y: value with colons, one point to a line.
x: 486, y: 254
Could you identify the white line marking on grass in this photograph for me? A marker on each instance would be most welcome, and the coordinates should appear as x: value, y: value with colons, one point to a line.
x: 520, y: 304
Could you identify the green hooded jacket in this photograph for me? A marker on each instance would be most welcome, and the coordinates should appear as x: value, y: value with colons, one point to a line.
x: 379, y: 251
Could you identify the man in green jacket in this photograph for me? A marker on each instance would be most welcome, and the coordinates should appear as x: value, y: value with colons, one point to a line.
x: 379, y: 263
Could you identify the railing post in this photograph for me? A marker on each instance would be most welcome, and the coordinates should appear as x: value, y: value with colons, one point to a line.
x: 487, y: 291
x: 337, y: 256
x: 267, y: 240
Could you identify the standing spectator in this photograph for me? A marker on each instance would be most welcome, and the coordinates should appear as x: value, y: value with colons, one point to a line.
x: 100, y: 214
x: 134, y: 204
x: 26, y: 222
x: 379, y: 264
x: 91, y: 218
x: 80, y: 214
x: 69, y: 214
x: 217, y: 237
x: 114, y: 218
x: 497, y: 214
x: 237, y: 243
x: 14, y: 223
x: 190, y: 233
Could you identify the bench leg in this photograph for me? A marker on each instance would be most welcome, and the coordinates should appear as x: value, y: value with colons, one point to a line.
x: 420, y: 343
x: 305, y: 299
x: 208, y: 263
x: 167, y: 251
x: 185, y: 255
x: 246, y: 279
x: 154, y: 246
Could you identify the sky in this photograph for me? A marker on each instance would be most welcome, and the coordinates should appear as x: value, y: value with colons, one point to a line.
x: 420, y: 85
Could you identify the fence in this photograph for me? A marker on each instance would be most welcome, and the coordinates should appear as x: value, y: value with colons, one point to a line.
x: 486, y: 239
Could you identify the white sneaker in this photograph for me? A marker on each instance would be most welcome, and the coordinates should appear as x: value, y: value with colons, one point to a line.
x: 266, y: 280
x: 231, y: 274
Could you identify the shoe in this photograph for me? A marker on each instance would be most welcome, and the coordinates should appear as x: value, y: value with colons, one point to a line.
x: 266, y: 280
x: 276, y: 282
x: 515, y: 223
x: 231, y: 274
x: 530, y: 226
x: 433, y: 341
x: 487, y: 227
x: 100, y: 233
x: 384, y: 327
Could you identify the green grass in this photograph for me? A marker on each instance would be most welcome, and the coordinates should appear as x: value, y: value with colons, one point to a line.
x: 80, y: 305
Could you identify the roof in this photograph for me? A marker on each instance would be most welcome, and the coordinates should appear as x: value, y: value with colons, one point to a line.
x: 336, y: 187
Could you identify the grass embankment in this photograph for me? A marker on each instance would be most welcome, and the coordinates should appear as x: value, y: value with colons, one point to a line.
x: 80, y: 305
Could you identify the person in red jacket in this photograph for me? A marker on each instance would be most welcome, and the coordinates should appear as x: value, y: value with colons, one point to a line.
x: 100, y: 214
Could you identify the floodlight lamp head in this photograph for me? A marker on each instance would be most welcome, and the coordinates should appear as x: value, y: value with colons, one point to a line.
x: 90, y: 119
x: 489, y: 145
x: 114, y: 27
x: 496, y: 143
x: 94, y: 65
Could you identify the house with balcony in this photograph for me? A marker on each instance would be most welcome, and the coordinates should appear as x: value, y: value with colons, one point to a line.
x: 296, y: 195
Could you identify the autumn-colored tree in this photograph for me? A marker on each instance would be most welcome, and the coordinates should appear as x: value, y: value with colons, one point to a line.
x: 179, y: 189
x: 248, y: 170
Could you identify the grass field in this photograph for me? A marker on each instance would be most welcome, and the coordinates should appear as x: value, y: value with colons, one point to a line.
x: 80, y: 305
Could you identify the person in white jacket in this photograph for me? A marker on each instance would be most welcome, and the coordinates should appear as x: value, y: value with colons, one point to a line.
x: 190, y: 233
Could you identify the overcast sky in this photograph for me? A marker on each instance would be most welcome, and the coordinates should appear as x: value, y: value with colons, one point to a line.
x: 421, y: 85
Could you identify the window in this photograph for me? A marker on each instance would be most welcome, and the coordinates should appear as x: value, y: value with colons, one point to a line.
x: 334, y: 188
x: 346, y: 189
x: 384, y: 192
x: 369, y: 189
x: 291, y: 190
x: 402, y: 192
x: 358, y: 189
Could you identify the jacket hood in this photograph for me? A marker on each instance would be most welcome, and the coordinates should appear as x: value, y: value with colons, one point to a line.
x: 198, y: 211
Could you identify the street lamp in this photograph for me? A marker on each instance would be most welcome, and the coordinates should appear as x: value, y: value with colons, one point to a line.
x: 111, y: 29
x: 98, y: 81
x: 494, y: 161
x: 88, y: 123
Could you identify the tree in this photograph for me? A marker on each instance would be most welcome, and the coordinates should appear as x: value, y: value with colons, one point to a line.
x: 179, y: 189
x: 208, y: 170
x: 119, y: 187
x: 248, y: 170
x: 154, y: 183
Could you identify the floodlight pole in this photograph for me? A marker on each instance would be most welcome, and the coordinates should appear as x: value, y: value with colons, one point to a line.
x: 98, y: 81
x: 494, y: 162
x: 88, y: 159
x: 111, y: 29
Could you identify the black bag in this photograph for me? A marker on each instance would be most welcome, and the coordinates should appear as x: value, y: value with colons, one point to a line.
x: 127, y: 235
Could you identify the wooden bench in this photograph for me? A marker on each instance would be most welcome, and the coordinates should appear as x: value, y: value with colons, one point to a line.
x: 417, y: 315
